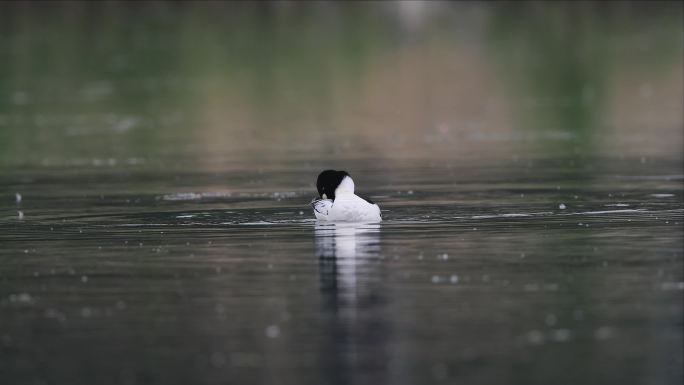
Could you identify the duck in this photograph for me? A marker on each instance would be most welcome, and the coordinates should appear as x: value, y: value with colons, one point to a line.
x: 337, y: 201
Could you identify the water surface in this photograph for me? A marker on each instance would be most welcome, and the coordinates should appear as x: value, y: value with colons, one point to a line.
x: 155, y: 181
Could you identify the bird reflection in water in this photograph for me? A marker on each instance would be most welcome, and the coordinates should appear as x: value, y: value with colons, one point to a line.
x: 352, y: 303
x: 342, y: 250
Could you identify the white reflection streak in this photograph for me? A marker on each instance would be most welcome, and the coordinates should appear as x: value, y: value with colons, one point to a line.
x: 342, y: 248
x: 344, y: 251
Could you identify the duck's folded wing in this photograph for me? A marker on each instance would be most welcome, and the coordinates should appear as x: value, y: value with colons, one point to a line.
x: 321, y: 206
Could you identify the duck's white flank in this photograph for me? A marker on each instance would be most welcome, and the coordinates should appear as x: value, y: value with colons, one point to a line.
x: 347, y: 206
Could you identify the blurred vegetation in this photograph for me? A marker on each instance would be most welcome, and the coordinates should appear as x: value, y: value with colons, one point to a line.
x: 559, y: 57
x: 172, y: 81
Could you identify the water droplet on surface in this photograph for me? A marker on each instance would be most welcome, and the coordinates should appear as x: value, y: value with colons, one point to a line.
x: 561, y: 335
x: 86, y: 312
x: 672, y: 286
x: 272, y: 331
x: 531, y: 287
x: 551, y: 319
x: 535, y: 337
x: 604, y: 333
x: 219, y: 308
x: 20, y: 298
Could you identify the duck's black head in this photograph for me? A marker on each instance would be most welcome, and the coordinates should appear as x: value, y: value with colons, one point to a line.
x: 328, y: 181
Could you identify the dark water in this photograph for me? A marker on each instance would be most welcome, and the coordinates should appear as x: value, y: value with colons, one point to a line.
x: 157, y: 160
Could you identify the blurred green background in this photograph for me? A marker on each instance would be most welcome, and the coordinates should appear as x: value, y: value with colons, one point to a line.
x: 203, y: 83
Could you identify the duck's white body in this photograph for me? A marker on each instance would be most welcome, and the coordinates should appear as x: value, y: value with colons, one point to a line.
x: 346, y: 207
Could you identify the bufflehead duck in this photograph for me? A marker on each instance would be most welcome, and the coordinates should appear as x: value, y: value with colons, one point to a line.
x: 337, y: 201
